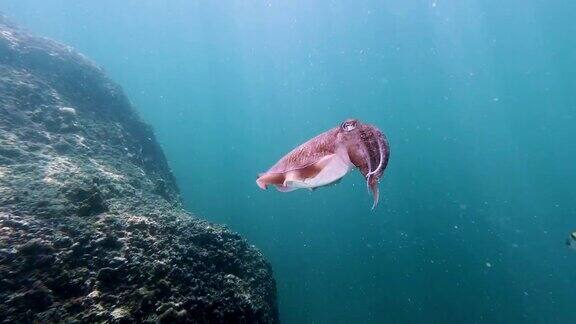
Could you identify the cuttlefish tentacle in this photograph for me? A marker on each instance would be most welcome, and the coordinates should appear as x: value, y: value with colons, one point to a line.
x: 376, y: 146
x: 369, y: 162
x: 373, y: 186
x: 379, y: 164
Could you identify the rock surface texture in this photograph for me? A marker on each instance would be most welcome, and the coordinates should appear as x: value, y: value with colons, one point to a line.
x: 91, y: 225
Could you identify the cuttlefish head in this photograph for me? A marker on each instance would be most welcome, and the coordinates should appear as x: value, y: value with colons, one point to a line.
x: 348, y: 131
x: 368, y: 150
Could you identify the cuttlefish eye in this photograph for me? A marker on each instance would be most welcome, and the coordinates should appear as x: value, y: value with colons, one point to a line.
x: 349, y: 125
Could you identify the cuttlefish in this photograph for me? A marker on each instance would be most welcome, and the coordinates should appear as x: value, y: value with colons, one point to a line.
x: 326, y: 158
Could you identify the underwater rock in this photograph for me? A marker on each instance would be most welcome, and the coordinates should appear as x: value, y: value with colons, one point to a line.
x: 91, y: 224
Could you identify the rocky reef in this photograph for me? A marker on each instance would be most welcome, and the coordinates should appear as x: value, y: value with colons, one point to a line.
x: 91, y: 224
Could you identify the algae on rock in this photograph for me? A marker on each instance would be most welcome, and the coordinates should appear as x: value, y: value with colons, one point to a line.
x: 91, y: 223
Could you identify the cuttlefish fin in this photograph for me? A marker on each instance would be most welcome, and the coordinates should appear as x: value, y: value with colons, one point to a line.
x: 331, y: 168
x: 282, y: 180
x: 283, y: 188
x: 266, y: 179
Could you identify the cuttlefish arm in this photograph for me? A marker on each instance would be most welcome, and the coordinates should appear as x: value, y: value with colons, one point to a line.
x: 370, y: 152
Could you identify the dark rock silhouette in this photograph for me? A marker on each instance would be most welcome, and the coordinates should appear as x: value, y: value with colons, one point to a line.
x: 91, y: 224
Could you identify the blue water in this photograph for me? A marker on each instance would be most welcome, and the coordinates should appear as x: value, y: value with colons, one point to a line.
x: 477, y: 99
